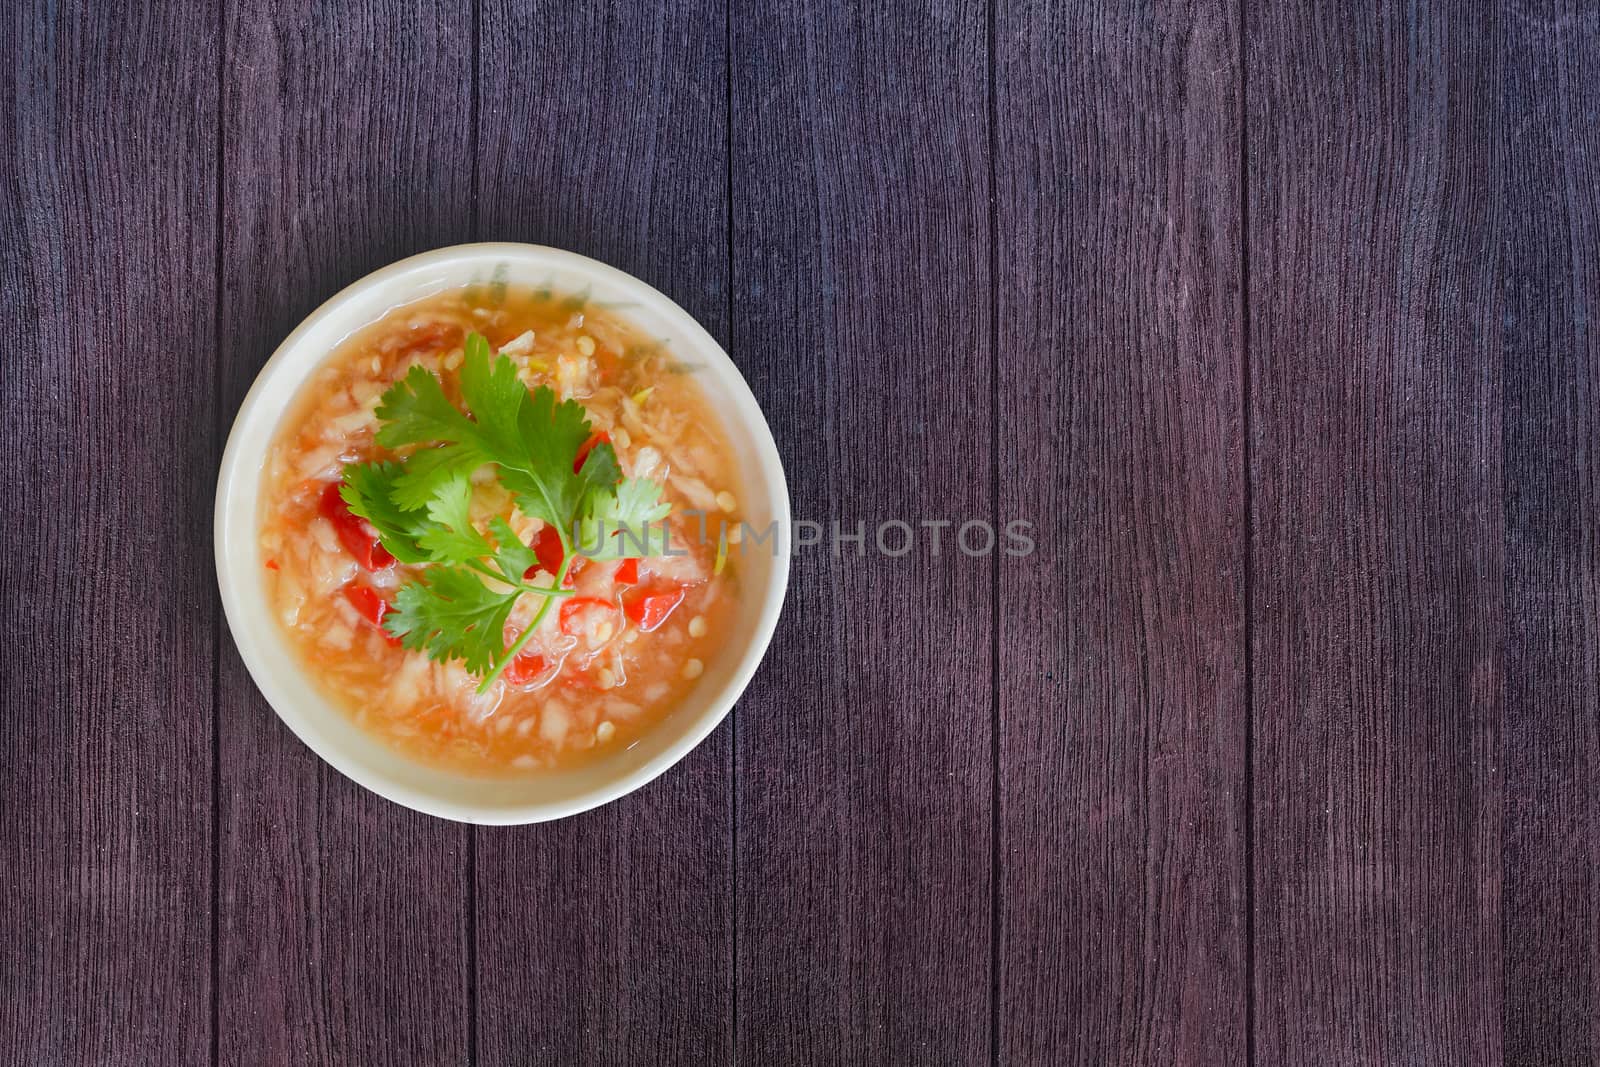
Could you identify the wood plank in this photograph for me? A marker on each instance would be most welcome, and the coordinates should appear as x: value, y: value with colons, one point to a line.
x: 108, y: 439
x: 1379, y: 604
x: 607, y: 938
x: 1550, y: 267
x: 1122, y: 653
x: 862, y: 316
x: 343, y: 917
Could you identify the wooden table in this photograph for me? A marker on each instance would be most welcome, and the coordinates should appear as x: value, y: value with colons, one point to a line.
x: 1278, y: 321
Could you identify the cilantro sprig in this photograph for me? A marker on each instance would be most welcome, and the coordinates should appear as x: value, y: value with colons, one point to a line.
x: 421, y: 505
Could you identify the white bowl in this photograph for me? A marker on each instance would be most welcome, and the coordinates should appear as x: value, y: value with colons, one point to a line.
x: 764, y: 574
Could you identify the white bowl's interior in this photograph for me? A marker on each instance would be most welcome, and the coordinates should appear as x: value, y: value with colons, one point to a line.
x: 763, y: 572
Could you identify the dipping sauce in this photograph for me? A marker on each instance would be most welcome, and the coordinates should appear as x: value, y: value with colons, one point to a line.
x: 626, y: 640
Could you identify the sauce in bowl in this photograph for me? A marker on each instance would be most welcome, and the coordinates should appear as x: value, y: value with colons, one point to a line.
x: 627, y: 637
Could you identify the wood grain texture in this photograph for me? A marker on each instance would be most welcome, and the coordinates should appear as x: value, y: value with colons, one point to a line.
x: 1378, y: 602
x: 1550, y: 268
x: 1122, y: 651
x: 861, y: 316
x: 1341, y: 423
x: 107, y: 443
x: 343, y: 921
x: 608, y: 938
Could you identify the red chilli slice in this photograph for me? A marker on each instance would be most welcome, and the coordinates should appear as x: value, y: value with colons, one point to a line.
x: 596, y: 438
x: 355, y: 533
x: 547, y: 550
x: 524, y: 669
x: 650, y: 610
x: 371, y: 607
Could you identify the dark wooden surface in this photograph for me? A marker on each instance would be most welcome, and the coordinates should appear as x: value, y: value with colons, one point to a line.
x: 1122, y: 641
x: 346, y: 143
x: 108, y: 279
x: 1275, y: 320
x: 608, y: 938
x: 1547, y: 250
x: 1378, y: 561
x: 864, y: 754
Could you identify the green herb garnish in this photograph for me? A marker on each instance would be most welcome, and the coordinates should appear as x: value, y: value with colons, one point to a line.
x: 457, y: 607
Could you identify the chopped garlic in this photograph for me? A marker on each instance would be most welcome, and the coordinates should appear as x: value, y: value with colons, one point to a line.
x: 519, y: 345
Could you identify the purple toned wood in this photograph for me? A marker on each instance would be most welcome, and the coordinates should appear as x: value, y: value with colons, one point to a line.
x: 343, y: 921
x: 107, y: 441
x: 1122, y: 652
x: 861, y: 315
x: 1422, y: 243
x: 608, y: 938
x: 1550, y: 273
x: 1378, y: 598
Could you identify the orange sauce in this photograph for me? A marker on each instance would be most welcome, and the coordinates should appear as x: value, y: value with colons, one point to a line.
x: 599, y: 681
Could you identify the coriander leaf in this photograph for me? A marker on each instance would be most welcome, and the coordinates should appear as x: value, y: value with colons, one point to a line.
x: 450, y: 614
x: 428, y: 469
x: 636, y: 500
x: 416, y: 411
x: 512, y: 556
x: 453, y: 539
x: 540, y: 473
x: 619, y: 522
x: 600, y: 466
x: 492, y: 393
x: 368, y: 491
x: 422, y: 506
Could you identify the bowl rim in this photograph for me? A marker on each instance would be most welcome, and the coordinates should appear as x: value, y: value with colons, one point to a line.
x: 236, y: 467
